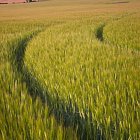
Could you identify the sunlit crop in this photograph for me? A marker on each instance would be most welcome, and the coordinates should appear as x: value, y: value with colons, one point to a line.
x: 71, y: 77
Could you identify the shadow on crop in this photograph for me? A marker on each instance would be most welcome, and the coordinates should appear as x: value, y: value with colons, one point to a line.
x: 68, y: 113
x: 99, y: 32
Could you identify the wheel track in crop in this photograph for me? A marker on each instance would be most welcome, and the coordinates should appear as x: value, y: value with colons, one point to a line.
x: 70, y: 117
x: 36, y: 90
x: 100, y: 29
x: 99, y: 32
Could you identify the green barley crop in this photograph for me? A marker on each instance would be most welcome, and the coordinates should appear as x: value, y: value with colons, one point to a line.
x: 98, y: 81
x: 124, y: 32
x: 22, y: 117
x: 70, y: 72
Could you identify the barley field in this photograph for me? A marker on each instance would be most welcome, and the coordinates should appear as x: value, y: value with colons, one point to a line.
x: 70, y: 70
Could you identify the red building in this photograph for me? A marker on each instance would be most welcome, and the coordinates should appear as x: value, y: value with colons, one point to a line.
x: 12, y: 1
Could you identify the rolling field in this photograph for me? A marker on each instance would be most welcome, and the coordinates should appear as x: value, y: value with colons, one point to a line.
x: 70, y: 69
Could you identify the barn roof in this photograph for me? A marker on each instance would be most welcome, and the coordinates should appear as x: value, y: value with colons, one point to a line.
x: 12, y: 1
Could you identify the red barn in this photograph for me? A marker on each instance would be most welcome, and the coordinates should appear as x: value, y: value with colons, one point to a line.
x: 12, y: 1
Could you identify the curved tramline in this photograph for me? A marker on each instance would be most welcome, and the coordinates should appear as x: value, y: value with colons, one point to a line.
x: 70, y: 70
x: 21, y: 115
x: 83, y: 76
